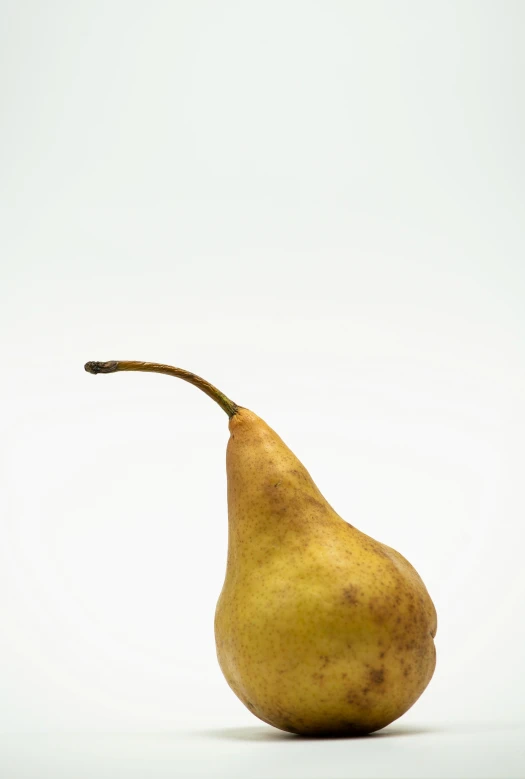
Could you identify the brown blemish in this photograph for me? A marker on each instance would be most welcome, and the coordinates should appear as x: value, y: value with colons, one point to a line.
x: 351, y: 595
x: 377, y: 676
x: 380, y: 608
x: 318, y: 678
x: 299, y: 473
x: 325, y: 659
x: 315, y: 502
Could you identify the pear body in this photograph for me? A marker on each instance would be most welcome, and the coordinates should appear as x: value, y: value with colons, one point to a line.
x: 319, y: 628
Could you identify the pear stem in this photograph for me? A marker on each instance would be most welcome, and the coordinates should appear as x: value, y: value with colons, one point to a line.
x: 113, y: 366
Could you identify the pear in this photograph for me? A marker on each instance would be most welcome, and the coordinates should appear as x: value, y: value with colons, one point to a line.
x: 320, y: 629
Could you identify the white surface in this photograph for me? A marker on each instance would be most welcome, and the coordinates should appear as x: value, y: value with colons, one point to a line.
x: 319, y: 207
x: 260, y: 752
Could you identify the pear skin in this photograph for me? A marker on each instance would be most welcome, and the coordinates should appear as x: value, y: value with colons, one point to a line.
x: 320, y: 629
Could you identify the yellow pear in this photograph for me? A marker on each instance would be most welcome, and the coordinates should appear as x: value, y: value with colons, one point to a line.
x: 320, y: 629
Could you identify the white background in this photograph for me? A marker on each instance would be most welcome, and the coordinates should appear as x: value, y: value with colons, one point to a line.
x: 318, y: 206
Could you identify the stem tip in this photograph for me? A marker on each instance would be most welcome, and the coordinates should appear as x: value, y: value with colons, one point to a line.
x: 101, y: 367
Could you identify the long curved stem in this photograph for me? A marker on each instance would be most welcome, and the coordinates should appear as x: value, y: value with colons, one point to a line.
x: 113, y: 366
